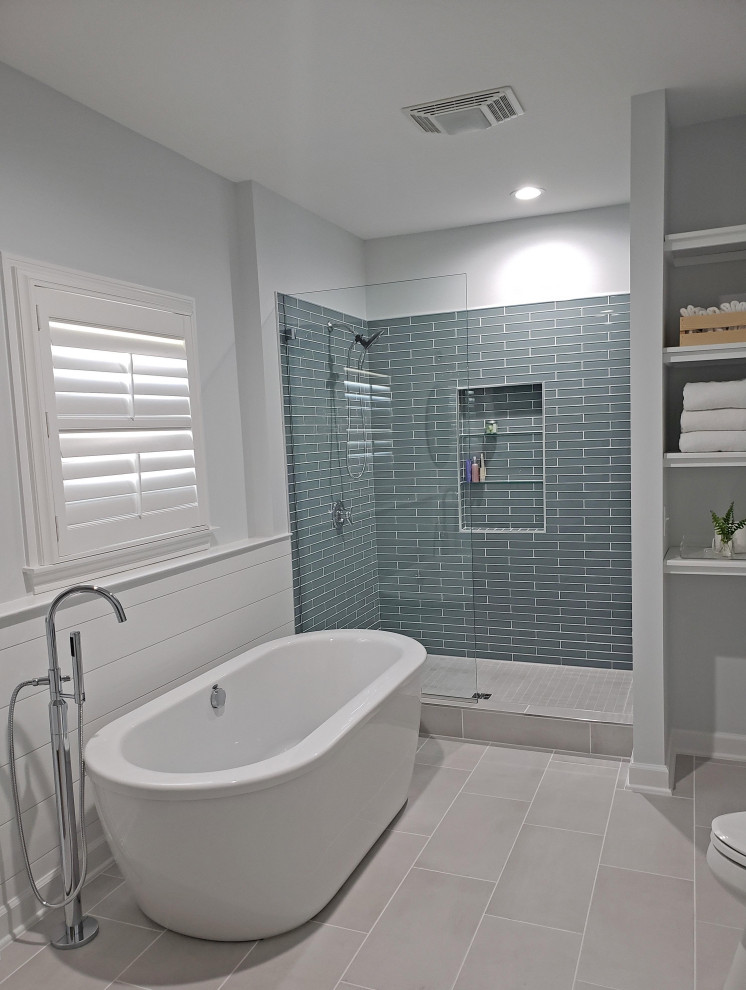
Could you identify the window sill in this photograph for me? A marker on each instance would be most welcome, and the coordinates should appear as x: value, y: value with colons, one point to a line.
x: 37, y: 604
x: 49, y: 577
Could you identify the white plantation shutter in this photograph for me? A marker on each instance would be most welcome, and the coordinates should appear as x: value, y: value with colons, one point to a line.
x: 124, y: 453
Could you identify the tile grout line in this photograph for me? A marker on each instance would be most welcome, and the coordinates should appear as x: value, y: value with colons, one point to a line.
x: 329, y: 924
x: 44, y: 946
x: 372, y: 927
x: 25, y: 962
x: 239, y: 963
x: 133, y: 961
x: 595, y: 882
x: 507, y: 858
x: 533, y: 924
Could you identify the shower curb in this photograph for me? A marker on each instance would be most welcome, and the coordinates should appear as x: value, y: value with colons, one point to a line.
x: 517, y: 729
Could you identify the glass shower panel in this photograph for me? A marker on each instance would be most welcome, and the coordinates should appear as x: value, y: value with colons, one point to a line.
x: 371, y: 379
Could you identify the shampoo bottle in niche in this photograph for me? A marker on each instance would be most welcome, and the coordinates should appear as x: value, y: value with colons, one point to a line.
x: 482, y: 468
x: 467, y: 469
x: 475, y: 469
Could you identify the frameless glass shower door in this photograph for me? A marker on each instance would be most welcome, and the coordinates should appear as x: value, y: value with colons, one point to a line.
x: 381, y: 528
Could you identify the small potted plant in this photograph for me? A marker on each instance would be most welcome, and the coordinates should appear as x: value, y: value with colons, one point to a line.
x: 725, y: 529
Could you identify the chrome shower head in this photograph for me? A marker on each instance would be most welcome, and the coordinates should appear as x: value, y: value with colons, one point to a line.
x: 365, y: 342
x: 369, y: 341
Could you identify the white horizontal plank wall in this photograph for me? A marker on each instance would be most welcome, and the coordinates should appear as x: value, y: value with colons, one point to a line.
x: 178, y: 626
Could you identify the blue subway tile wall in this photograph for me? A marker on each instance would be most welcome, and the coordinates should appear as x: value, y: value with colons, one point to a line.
x: 335, y: 573
x: 424, y: 559
x: 558, y: 596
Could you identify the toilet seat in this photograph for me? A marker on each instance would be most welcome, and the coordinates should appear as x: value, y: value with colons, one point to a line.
x: 728, y: 836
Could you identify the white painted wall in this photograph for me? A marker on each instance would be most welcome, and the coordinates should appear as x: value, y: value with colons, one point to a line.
x: 565, y: 256
x: 649, y: 769
x: 284, y: 249
x: 79, y: 190
x: 706, y: 178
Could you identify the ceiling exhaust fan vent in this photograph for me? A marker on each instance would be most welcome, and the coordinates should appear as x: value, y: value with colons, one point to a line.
x: 470, y: 112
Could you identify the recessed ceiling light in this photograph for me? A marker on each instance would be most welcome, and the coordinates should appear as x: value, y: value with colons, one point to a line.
x: 527, y: 192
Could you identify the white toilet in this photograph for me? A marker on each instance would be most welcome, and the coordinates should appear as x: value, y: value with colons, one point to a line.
x: 726, y: 857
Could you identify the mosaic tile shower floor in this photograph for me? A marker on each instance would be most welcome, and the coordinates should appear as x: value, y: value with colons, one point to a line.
x: 535, y: 688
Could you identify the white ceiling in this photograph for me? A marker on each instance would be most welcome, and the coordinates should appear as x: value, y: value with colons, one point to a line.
x: 304, y: 96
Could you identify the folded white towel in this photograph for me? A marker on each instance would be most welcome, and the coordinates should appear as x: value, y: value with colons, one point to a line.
x: 714, y: 395
x: 713, y: 419
x: 707, y: 441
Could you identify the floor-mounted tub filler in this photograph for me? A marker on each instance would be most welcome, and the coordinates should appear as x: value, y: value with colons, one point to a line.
x: 78, y: 929
x: 238, y: 804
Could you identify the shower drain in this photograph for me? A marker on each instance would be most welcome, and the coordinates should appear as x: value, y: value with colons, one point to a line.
x: 481, y: 696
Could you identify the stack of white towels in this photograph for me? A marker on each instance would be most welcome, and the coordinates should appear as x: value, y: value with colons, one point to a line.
x: 714, y: 417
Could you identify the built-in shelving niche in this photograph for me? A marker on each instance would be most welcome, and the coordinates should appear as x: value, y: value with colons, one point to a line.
x: 506, y: 424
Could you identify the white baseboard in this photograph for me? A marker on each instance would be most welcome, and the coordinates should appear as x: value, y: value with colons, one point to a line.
x: 718, y: 745
x: 650, y: 778
x: 23, y: 911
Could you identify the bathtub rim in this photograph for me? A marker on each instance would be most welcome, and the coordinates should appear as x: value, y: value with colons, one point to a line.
x: 110, y: 770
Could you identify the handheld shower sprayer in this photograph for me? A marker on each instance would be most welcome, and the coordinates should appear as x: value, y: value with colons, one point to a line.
x: 359, y: 446
x: 78, y: 929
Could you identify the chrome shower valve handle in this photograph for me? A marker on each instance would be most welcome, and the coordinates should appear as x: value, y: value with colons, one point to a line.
x: 341, y: 515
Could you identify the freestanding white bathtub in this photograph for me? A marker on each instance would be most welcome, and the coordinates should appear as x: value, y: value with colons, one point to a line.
x: 243, y: 822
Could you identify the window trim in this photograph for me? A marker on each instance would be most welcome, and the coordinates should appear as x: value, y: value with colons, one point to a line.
x: 45, y: 568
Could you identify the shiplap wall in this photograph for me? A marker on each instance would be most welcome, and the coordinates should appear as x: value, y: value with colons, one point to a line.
x: 178, y: 626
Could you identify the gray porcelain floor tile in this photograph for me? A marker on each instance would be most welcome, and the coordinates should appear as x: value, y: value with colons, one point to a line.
x: 430, y: 793
x: 639, y: 932
x: 583, y: 759
x: 548, y: 879
x: 312, y: 957
x: 621, y: 781
x: 19, y: 951
x: 515, y: 956
x: 93, y: 967
x: 120, y: 905
x: 519, y: 756
x: 454, y: 753
x: 97, y: 889
x: 422, y: 937
x: 650, y: 833
x: 475, y: 837
x: 366, y: 893
x: 177, y: 961
x: 716, y: 946
x: 714, y: 904
x: 576, y: 801
x: 501, y: 779
x: 683, y: 777
x: 592, y: 770
x: 720, y: 788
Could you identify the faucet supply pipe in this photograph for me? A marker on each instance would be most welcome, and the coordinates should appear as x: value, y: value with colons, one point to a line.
x: 78, y: 930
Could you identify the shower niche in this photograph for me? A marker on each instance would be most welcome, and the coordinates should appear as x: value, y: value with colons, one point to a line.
x: 501, y: 427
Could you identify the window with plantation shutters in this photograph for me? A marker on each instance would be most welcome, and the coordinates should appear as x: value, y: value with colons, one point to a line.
x: 119, y: 462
